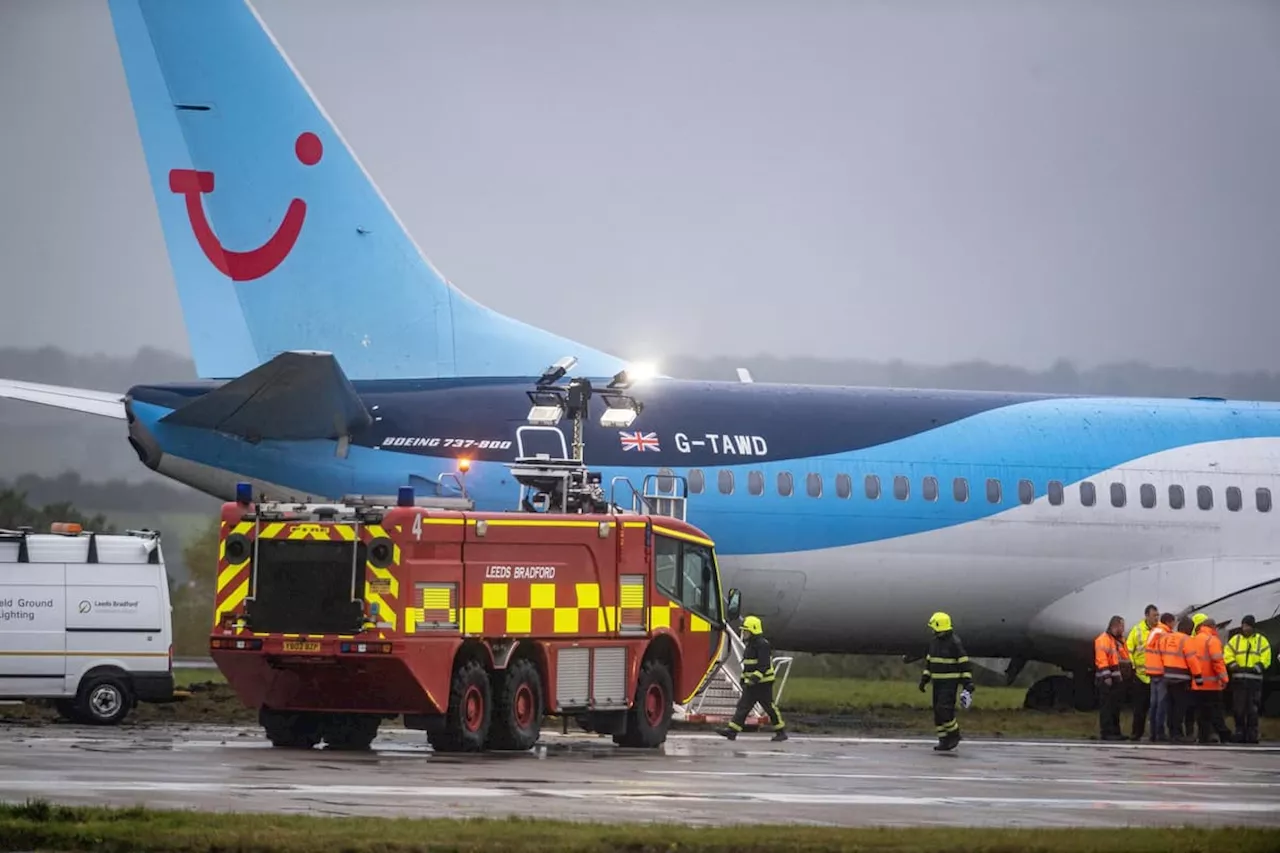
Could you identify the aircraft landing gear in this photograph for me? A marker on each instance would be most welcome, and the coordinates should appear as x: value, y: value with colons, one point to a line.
x: 1063, y: 692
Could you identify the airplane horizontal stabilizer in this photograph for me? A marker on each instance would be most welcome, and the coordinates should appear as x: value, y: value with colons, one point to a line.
x: 294, y: 397
x: 103, y: 403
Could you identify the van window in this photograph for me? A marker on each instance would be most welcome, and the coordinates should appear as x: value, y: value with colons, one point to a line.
x: 1056, y: 492
x: 901, y: 488
x: 1177, y: 497
x: 993, y: 491
x: 786, y: 485
x: 725, y: 480
x: 1204, y: 497
x: 697, y: 481
x: 1118, y: 495
x: 813, y: 485
x: 1263, y: 498
x: 844, y: 486
x: 1234, y: 499
x: 929, y: 488
x: 755, y: 483
x: 872, y: 487
x: 960, y: 489
x: 1088, y: 494
x: 1026, y: 491
x: 1148, y: 495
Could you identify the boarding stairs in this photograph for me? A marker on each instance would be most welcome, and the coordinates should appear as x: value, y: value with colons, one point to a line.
x: 718, y: 698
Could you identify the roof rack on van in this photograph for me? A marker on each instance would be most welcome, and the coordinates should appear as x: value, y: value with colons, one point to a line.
x: 62, y: 530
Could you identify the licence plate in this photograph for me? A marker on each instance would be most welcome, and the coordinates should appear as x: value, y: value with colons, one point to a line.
x: 299, y: 646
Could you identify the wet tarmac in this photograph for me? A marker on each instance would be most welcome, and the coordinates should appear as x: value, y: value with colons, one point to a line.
x: 694, y: 779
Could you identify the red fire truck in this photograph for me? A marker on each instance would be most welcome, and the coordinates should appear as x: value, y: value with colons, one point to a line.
x: 472, y: 626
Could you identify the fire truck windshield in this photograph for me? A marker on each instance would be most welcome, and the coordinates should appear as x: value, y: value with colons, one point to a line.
x: 686, y: 572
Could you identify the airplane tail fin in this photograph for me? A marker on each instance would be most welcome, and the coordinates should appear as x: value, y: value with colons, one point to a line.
x: 278, y: 238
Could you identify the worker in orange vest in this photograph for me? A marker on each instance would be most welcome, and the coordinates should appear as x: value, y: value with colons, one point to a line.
x: 1208, y: 680
x: 1154, y: 667
x: 1109, y: 656
x: 1177, y: 678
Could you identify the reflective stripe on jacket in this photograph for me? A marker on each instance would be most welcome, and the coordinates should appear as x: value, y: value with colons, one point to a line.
x: 1136, y: 645
x: 1246, y: 653
x: 1108, y: 652
x: 1153, y: 660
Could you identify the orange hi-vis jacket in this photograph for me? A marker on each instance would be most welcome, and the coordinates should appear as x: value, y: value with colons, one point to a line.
x: 1174, y: 655
x: 1154, y: 658
x: 1208, y: 669
x: 1108, y: 652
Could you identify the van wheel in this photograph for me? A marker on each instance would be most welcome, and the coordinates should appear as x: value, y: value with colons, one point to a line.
x: 650, y: 714
x: 104, y: 700
x: 517, y: 721
x: 466, y: 724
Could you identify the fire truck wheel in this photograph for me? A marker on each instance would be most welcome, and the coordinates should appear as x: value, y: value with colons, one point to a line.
x: 350, y: 732
x: 517, y: 719
x: 288, y: 730
x: 650, y: 715
x: 466, y: 725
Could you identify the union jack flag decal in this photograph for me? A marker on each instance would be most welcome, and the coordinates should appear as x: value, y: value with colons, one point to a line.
x: 639, y: 441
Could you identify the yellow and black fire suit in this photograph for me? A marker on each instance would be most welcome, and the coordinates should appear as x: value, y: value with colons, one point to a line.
x: 947, y: 666
x: 757, y: 682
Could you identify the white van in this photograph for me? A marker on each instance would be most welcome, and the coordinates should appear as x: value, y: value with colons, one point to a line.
x: 85, y: 620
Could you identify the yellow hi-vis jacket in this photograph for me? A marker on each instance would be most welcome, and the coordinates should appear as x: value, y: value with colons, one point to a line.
x: 1247, y: 653
x: 1137, y: 645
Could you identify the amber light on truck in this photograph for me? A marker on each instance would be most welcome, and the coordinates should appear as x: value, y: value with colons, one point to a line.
x: 236, y: 645
x: 366, y: 648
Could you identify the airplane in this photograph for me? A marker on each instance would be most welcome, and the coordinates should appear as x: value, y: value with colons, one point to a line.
x: 336, y: 360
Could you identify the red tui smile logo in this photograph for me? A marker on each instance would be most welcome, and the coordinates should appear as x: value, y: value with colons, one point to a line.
x: 245, y: 266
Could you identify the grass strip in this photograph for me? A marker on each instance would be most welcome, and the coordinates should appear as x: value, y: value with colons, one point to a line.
x: 39, y: 825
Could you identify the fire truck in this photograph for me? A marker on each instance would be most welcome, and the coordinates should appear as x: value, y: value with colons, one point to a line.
x: 472, y: 626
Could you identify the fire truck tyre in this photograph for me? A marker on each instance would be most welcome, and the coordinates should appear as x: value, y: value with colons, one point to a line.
x: 650, y: 715
x: 466, y: 725
x: 104, y: 700
x: 352, y: 732
x: 517, y: 718
x: 288, y: 730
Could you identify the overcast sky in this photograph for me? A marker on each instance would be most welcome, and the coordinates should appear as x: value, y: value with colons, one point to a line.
x: 918, y: 179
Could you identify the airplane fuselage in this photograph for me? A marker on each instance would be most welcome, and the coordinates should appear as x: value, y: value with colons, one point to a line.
x: 847, y: 515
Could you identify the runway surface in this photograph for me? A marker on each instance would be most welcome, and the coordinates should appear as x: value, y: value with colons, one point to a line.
x: 695, y: 779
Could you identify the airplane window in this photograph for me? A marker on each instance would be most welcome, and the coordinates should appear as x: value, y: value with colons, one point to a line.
x: 872, y: 487
x: 901, y: 488
x: 813, y: 485
x: 1088, y: 494
x: 1264, y: 500
x: 960, y: 489
x: 666, y: 481
x: 929, y: 488
x: 1055, y: 493
x: 1177, y: 497
x: 1204, y: 497
x: 1234, y: 499
x: 1148, y: 495
x: 725, y: 481
x: 1026, y: 491
x: 1117, y: 495
x: 755, y: 483
x: 697, y: 481
x: 785, y: 484
x: 844, y: 485
x: 993, y: 491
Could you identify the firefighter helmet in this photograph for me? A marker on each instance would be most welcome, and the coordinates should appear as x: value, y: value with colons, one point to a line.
x: 751, y: 625
x: 940, y: 622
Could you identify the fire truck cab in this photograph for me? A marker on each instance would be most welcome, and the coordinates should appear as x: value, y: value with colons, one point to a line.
x: 473, y: 626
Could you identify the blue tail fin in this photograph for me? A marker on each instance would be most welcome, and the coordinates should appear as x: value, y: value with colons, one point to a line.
x: 278, y: 238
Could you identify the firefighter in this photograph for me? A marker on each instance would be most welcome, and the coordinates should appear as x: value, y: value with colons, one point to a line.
x: 1247, y: 655
x: 1136, y: 645
x: 1153, y: 664
x: 757, y: 682
x: 1208, y: 680
x: 948, y: 667
x: 1109, y: 654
